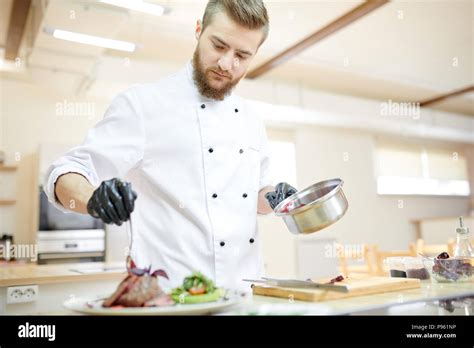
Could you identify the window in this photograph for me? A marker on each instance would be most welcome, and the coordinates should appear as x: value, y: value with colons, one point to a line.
x: 402, y: 171
x: 283, y: 162
x: 281, y: 143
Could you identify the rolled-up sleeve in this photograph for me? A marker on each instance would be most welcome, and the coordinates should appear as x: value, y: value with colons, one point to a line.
x: 111, y: 148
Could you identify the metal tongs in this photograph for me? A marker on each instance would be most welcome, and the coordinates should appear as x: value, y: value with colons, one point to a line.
x: 296, y: 283
x: 129, y: 260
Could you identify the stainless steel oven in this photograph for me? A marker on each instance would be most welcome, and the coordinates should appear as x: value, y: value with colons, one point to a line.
x: 68, y: 237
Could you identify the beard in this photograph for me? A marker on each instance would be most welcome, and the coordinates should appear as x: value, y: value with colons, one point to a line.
x: 201, y: 78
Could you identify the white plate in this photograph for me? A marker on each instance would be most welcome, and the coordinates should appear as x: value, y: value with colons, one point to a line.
x: 94, y: 306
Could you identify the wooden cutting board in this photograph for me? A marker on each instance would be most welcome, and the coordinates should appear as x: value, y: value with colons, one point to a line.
x: 358, y: 286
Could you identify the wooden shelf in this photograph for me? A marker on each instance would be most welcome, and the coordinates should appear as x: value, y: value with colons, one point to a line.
x: 7, y: 201
x: 8, y: 168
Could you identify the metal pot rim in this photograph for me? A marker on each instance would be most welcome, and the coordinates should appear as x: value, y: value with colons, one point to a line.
x: 330, y: 182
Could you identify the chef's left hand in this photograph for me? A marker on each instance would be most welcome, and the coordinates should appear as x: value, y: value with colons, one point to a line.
x: 282, y: 191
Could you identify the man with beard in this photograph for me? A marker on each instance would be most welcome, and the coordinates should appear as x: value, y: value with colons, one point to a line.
x: 196, y: 155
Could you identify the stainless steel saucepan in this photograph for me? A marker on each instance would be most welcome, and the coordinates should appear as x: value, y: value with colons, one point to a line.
x: 314, y: 208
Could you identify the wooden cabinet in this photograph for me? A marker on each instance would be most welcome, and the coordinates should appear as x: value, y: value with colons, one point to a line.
x: 7, y: 199
x: 6, y: 170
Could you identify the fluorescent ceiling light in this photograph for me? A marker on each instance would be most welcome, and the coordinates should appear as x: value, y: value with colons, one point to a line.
x: 137, y: 5
x: 91, y: 40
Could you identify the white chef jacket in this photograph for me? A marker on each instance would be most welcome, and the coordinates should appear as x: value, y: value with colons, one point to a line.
x: 197, y: 166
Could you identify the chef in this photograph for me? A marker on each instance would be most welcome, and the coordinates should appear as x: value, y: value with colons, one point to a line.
x: 187, y: 156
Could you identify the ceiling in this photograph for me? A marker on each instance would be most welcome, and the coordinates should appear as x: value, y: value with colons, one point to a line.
x: 405, y: 50
x: 5, y: 9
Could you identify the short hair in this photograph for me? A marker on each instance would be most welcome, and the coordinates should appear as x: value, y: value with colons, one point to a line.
x: 251, y: 14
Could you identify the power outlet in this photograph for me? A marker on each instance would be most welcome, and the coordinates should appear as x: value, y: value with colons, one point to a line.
x: 22, y: 294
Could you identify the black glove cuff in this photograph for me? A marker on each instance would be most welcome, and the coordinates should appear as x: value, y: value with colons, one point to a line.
x: 90, y: 207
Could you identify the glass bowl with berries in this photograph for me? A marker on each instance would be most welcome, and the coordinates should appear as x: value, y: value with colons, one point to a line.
x: 446, y: 269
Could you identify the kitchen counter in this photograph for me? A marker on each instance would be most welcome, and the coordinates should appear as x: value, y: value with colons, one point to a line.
x: 25, y: 274
x: 395, y: 303
x: 58, y: 282
x: 52, y: 284
x: 422, y: 301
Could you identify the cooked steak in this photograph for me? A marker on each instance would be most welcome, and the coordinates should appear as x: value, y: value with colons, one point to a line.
x: 138, y: 289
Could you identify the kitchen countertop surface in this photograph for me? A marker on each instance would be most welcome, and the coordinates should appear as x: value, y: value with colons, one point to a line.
x: 396, y: 303
x: 24, y: 274
x: 419, y: 301
x: 430, y: 299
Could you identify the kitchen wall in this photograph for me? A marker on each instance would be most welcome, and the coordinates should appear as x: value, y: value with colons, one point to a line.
x: 323, y: 153
x: 372, y: 218
x: 29, y: 118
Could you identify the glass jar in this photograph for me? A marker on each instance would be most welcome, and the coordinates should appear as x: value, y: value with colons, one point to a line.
x: 415, y: 268
x: 463, y: 243
x: 396, y: 267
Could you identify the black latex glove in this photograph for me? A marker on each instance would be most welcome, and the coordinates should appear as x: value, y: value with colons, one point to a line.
x: 282, y: 191
x: 112, y: 202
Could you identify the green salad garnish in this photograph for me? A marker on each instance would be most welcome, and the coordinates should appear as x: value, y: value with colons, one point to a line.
x: 196, y: 288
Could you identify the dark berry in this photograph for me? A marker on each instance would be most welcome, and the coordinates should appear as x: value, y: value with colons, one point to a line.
x: 339, y: 278
x: 443, y: 255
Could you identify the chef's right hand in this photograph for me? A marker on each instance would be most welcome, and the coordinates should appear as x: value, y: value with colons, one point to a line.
x: 112, y: 202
